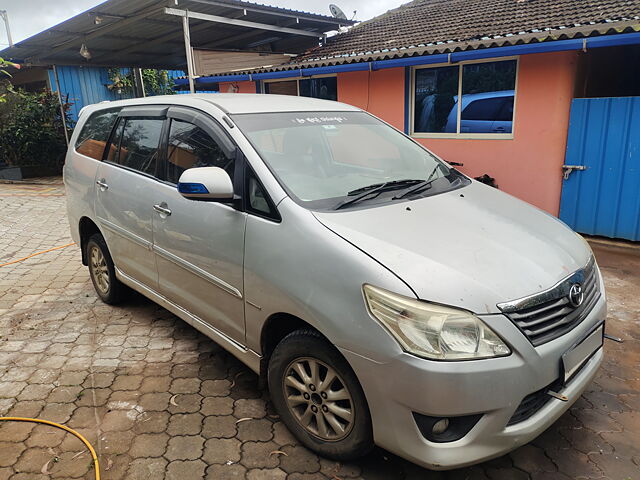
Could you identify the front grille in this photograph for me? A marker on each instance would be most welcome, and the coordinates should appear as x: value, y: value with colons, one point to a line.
x: 533, y: 402
x: 550, y: 314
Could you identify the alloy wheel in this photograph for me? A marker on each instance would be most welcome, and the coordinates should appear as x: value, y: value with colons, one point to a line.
x: 99, y: 270
x: 318, y: 398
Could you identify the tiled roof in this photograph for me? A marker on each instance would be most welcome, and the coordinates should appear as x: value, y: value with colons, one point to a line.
x: 425, y: 24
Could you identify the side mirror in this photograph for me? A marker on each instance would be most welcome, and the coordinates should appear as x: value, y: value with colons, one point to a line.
x: 206, y: 183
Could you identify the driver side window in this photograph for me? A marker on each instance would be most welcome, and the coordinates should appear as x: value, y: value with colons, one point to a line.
x: 190, y: 146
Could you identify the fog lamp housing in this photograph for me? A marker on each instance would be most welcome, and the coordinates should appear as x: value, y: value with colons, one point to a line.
x: 445, y: 429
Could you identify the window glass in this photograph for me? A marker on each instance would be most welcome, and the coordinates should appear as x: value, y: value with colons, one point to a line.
x: 325, y: 88
x: 436, y: 91
x: 289, y: 87
x: 139, y: 144
x: 258, y: 200
x: 321, y: 158
x: 95, y: 133
x: 483, y: 109
x: 112, y: 154
x: 190, y: 146
x: 486, y: 102
x: 486, y: 87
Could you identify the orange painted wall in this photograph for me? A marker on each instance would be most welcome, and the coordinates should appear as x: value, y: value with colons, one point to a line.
x: 243, y: 87
x: 384, y: 97
x: 530, y: 165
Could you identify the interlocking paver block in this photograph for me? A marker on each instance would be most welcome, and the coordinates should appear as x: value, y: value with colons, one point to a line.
x: 155, y: 384
x: 217, y: 406
x: 299, y: 459
x: 149, y: 445
x: 251, y: 408
x: 260, y: 455
x: 127, y: 382
x: 10, y: 452
x: 215, y: 388
x: 223, y: 426
x: 266, y: 474
x: 15, y: 431
x: 256, y: 430
x: 184, y: 448
x: 221, y: 450
x: 226, y: 472
x: 152, y: 422
x: 181, y: 470
x: 185, y: 424
x: 185, y: 385
x: 147, y: 469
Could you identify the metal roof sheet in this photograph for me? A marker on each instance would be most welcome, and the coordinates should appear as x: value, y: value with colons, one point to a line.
x: 426, y: 27
x: 140, y: 33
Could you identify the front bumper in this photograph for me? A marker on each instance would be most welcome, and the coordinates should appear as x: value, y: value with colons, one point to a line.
x: 397, y: 388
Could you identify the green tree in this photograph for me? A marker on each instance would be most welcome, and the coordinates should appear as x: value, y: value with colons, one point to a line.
x: 31, y: 128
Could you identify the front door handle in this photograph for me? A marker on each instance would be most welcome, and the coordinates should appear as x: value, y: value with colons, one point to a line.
x: 162, y: 209
x: 102, y: 184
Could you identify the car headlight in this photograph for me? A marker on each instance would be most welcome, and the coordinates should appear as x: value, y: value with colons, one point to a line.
x: 433, y: 331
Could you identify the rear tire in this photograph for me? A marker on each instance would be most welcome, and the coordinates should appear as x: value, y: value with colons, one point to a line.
x: 318, y: 397
x: 102, y: 271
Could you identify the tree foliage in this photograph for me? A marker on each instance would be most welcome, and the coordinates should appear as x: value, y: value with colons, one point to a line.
x: 31, y: 128
x: 156, y: 82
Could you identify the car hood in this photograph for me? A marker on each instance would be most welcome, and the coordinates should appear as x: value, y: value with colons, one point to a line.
x: 472, y: 247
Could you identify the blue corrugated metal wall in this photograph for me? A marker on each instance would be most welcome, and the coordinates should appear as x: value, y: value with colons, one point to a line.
x: 604, y: 136
x: 84, y: 86
x: 87, y: 85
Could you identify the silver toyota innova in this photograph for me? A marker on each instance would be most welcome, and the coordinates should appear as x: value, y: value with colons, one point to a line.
x: 383, y: 296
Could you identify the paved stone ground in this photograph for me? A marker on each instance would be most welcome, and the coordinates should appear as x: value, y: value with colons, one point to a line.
x: 159, y: 400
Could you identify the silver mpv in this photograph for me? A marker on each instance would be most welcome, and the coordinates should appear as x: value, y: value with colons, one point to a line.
x: 382, y: 295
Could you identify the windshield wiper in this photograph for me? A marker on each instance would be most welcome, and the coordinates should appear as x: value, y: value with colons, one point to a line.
x: 421, y: 186
x: 375, y: 189
x: 368, y: 188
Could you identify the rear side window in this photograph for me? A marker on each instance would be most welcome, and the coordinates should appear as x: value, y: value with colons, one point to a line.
x: 95, y: 133
x: 487, y: 109
x: 138, y: 140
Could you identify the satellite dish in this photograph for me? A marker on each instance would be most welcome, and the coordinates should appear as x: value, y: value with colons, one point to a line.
x: 337, y: 12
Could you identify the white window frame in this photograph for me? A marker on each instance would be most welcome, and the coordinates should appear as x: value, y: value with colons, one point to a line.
x: 458, y: 135
x: 297, y: 80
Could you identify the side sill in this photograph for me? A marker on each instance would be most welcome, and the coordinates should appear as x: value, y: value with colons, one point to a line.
x: 245, y: 355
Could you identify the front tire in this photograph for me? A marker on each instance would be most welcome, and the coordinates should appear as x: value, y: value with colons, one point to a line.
x: 102, y: 271
x: 318, y: 397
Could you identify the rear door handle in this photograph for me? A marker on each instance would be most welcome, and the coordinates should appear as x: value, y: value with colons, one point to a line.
x: 162, y: 209
x: 102, y: 184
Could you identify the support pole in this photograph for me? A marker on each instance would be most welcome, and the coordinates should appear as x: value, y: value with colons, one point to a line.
x: 62, y: 112
x: 139, y: 82
x: 188, y: 51
x: 5, y: 17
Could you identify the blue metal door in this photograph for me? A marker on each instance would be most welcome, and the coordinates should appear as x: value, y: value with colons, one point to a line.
x: 604, y: 198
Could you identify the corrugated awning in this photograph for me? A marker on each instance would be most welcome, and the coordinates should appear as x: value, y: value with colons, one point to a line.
x: 142, y: 34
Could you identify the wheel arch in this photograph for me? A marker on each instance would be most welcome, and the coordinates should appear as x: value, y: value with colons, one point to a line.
x: 86, y: 228
x: 275, y: 328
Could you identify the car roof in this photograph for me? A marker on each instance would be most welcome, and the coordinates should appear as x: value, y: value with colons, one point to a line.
x: 237, y: 103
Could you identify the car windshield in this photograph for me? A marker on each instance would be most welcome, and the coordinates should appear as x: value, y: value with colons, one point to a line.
x: 325, y: 159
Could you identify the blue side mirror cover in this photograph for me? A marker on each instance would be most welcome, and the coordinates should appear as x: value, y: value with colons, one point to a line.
x: 192, y: 189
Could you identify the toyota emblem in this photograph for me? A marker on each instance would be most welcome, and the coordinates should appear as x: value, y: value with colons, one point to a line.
x: 576, y: 295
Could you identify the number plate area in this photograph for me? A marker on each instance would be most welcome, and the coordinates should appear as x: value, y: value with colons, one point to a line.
x: 573, y: 359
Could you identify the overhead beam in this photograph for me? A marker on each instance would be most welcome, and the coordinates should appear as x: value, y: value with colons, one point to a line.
x: 301, y: 15
x: 239, y: 23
